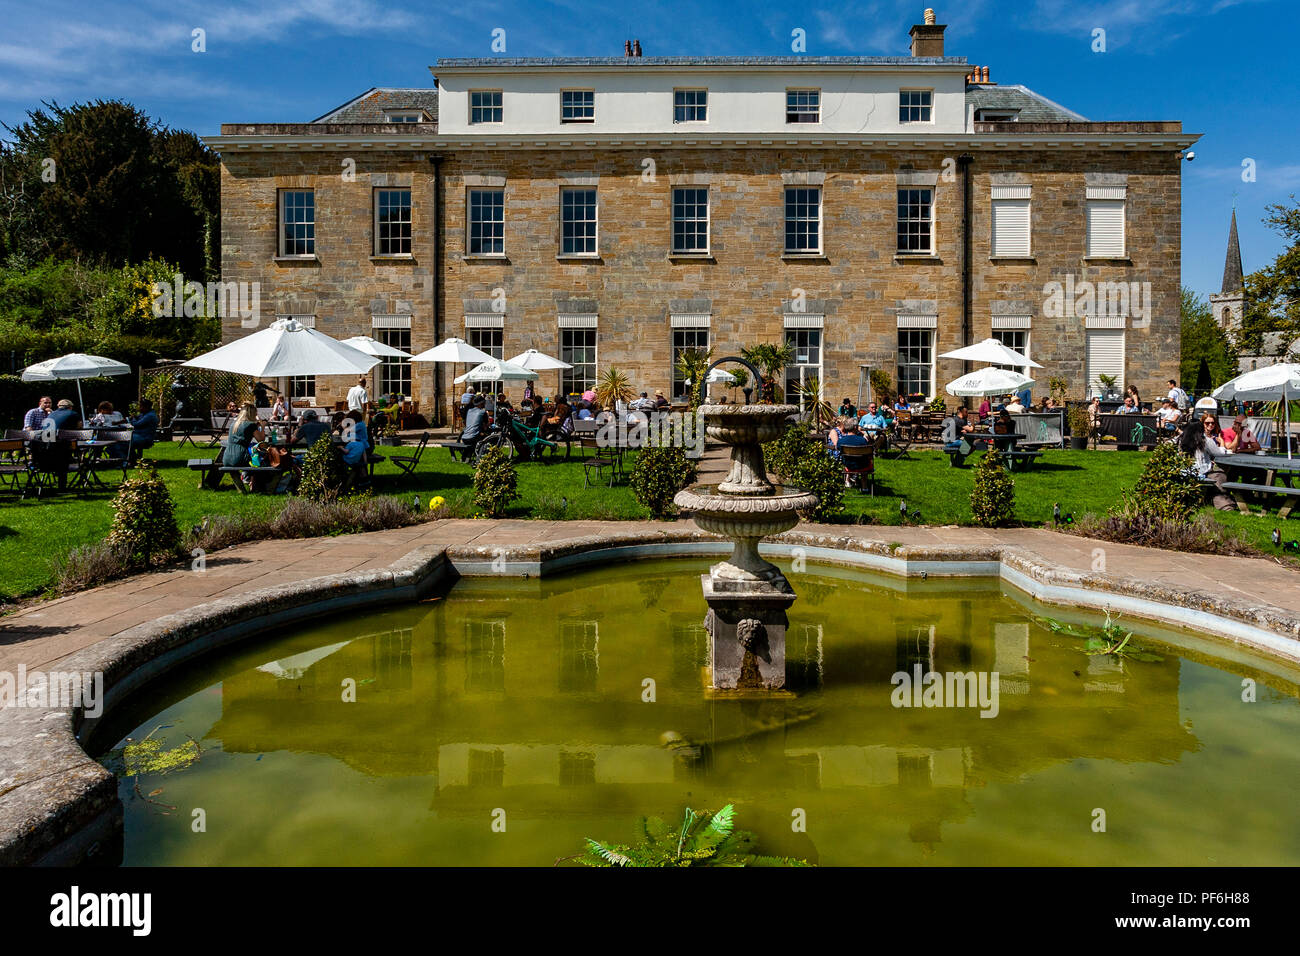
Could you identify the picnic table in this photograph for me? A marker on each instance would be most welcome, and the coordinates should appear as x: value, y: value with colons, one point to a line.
x: 1005, y: 442
x: 1268, y: 475
x: 186, y: 427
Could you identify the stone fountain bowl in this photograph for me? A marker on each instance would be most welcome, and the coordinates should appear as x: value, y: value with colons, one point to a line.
x: 739, y: 516
x: 746, y: 424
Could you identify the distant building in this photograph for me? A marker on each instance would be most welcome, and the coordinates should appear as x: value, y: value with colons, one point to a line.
x: 1229, y: 303
x: 613, y: 211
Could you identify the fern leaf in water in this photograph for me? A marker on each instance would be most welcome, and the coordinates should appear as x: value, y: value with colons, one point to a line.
x: 704, y: 839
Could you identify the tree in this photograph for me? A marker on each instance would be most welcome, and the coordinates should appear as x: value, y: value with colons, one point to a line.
x: 1203, y: 340
x: 102, y: 182
x: 1273, y: 292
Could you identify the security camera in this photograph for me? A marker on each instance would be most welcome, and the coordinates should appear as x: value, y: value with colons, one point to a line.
x: 1190, y: 156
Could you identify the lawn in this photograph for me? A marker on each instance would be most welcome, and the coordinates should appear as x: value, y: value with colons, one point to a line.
x: 35, y: 533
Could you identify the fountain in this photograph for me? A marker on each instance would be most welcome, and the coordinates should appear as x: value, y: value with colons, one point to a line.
x: 747, y: 595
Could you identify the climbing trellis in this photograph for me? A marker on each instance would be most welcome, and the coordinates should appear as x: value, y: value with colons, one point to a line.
x: 207, y: 389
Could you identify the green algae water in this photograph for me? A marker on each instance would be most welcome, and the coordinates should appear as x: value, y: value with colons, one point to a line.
x: 503, y: 721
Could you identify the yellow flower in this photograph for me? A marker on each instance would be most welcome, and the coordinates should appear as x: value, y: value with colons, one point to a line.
x: 437, y: 503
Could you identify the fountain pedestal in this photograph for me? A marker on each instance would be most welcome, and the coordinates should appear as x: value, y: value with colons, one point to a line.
x: 747, y: 595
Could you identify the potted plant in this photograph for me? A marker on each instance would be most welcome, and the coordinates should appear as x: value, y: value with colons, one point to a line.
x: 613, y: 387
x: 388, y: 435
x: 1108, y: 384
x: 1080, y: 426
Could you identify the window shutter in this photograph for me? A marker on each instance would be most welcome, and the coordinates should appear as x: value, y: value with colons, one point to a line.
x: 1106, y: 228
x: 1011, y: 228
x: 1105, y: 357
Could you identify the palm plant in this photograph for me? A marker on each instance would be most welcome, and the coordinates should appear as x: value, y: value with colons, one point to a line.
x: 692, y: 366
x: 704, y: 839
x: 770, y: 358
x: 816, y: 409
x: 613, y: 386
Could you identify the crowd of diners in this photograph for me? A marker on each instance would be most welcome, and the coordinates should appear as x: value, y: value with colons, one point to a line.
x: 50, y: 417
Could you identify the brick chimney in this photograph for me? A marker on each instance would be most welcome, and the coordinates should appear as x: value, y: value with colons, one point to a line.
x: 627, y: 47
x: 927, y: 37
x: 636, y: 47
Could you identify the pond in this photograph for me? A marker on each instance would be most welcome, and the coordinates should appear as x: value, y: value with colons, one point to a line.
x: 501, y: 722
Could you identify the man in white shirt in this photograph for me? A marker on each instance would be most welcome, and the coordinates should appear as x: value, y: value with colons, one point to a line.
x: 1177, y: 396
x: 1169, y: 415
x: 1015, y: 408
x: 358, y: 397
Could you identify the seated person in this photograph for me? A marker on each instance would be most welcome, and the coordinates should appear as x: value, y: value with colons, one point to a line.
x: 1003, y: 425
x: 356, y: 437
x: 35, y: 418
x: 1015, y: 407
x: 838, y: 430
x: 872, y: 419
x: 476, y: 425
x: 556, y: 422
x: 660, y: 401
x: 310, y: 429
x: 106, y: 417
x: 900, y: 404
x: 1238, y: 439
x: 1168, y: 416
x: 956, y: 428
x: 848, y: 410
x: 1094, y: 411
x: 986, y: 407
x: 855, y: 465
x: 245, y: 435
x: 279, y: 411
x: 644, y: 403
x: 584, y: 412
x: 145, y: 427
x: 1128, y: 408
x: 65, y: 416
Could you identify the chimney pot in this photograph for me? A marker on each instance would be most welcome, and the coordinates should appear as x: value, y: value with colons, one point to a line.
x: 627, y: 47
x: 984, y: 74
x: 636, y: 47
x: 929, y: 16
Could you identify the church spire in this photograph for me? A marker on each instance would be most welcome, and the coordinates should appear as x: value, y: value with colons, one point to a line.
x: 1232, y: 280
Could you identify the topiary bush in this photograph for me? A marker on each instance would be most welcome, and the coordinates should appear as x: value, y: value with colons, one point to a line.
x: 992, y: 500
x: 144, y: 520
x: 1167, y: 488
x: 323, y: 472
x: 496, y: 482
x: 800, y: 459
x: 660, y: 472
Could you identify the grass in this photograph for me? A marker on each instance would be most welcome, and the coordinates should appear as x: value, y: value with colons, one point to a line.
x: 35, y: 533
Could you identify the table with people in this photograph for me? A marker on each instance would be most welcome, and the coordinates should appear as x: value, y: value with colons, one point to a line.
x: 59, y: 445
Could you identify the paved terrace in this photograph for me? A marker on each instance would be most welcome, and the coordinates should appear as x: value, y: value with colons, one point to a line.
x: 44, y: 634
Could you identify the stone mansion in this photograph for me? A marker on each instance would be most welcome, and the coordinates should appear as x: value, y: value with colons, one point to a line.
x: 611, y: 211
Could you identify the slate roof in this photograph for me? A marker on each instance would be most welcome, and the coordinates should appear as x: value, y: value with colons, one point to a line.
x: 1032, y: 107
x: 1232, y: 277
x: 503, y: 62
x: 373, y: 105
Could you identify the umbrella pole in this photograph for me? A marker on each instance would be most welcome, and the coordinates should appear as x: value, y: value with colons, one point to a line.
x: 81, y: 402
x: 1286, y: 404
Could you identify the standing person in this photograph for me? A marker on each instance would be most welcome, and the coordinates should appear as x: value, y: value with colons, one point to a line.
x: 358, y: 397
x: 1132, y: 392
x: 1178, y: 396
x: 34, y: 419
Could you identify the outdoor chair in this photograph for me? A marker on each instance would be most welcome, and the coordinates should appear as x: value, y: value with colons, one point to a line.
x: 408, y: 463
x: 14, y: 464
x: 859, y: 466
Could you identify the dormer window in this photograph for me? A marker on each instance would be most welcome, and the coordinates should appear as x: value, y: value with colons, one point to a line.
x: 996, y: 116
x: 915, y: 106
x: 405, y: 116
x: 485, y: 106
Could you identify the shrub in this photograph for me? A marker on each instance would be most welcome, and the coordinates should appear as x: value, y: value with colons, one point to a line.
x: 802, y: 461
x: 882, y: 386
x: 90, y: 565
x: 1077, y: 418
x: 323, y: 472
x: 304, y: 518
x: 496, y: 482
x: 1167, y: 487
x: 1201, y: 535
x: 992, y: 500
x: 144, y: 520
x: 659, y: 473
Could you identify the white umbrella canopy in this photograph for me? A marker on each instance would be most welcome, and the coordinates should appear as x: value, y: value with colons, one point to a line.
x: 988, y: 381
x: 495, y: 370
x: 1273, y: 383
x: 538, y: 361
x: 453, y: 350
x: 283, y: 349
x: 371, y: 346
x: 74, y: 365
x: 993, y: 352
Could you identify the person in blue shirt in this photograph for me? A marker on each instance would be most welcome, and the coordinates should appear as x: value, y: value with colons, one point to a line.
x: 356, y: 438
x: 34, y: 419
x: 65, y: 416
x: 872, y: 419
x: 145, y: 428
x: 854, y: 465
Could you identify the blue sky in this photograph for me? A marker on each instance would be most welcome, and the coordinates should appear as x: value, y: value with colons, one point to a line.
x: 1222, y: 67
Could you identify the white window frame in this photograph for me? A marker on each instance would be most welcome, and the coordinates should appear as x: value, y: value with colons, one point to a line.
x: 410, y: 215
x: 302, y: 386
x: 584, y: 119
x: 785, y: 221
x: 927, y: 106
x: 931, y: 190
x: 469, y: 222
x: 708, y: 224
x: 566, y: 375
x: 898, y: 358
x: 1002, y: 335
x: 404, y: 116
x: 282, y: 244
x: 802, y: 109
x: 595, y: 221
x: 679, y: 90
x: 687, y: 331
x: 1006, y: 198
x: 807, y: 331
x: 384, y: 370
x: 499, y: 108
x: 1103, y: 198
x: 1094, y: 384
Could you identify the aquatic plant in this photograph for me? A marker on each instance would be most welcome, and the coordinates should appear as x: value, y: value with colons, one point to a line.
x: 1110, y: 638
x: 705, y: 838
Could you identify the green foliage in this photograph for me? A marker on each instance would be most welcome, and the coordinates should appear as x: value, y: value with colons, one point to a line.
x: 125, y: 189
x: 816, y: 409
x: 769, y: 358
x: 801, y: 460
x: 614, y: 386
x: 937, y: 404
x: 659, y: 473
x: 1167, y: 489
x: 496, y: 482
x: 1080, y: 423
x: 992, y: 500
x: 1203, y: 340
x: 882, y: 386
x: 1111, y: 638
x: 1272, y: 304
x: 144, y: 520
x: 1058, y: 387
x: 323, y: 472
x: 692, y: 366
x: 704, y: 839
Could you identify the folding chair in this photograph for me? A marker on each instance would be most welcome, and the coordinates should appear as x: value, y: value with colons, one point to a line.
x: 859, y: 463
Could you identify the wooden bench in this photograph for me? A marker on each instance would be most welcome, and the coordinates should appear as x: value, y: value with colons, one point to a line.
x: 236, y: 471
x: 456, y: 446
x: 1239, y: 489
x: 206, y: 467
x: 1020, y: 460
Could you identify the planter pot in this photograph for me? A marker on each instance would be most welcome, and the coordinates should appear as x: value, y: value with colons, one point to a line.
x: 1078, y: 442
x: 390, y: 442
